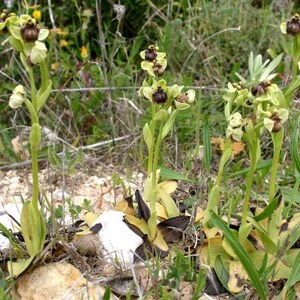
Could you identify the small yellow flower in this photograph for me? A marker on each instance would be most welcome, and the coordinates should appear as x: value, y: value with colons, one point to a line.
x: 83, y: 52
x: 54, y: 66
x: 37, y: 15
x: 63, y: 43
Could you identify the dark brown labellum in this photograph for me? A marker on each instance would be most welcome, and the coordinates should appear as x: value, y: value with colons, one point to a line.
x: 158, y: 70
x: 293, y: 26
x: 257, y: 90
x: 159, y: 96
x: 277, y: 122
x: 260, y: 88
x: 277, y: 127
x: 30, y: 33
x: 183, y: 98
x: 150, y: 54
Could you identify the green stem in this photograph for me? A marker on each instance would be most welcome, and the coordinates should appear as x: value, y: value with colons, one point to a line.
x: 154, y: 168
x: 33, y: 108
x: 33, y: 89
x: 33, y: 115
x: 277, y: 144
x: 35, y: 178
x: 296, y: 55
x: 249, y: 179
x: 152, y: 127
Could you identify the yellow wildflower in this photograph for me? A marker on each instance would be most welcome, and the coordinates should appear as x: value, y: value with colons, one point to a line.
x: 84, y: 52
x: 37, y: 15
x: 63, y: 43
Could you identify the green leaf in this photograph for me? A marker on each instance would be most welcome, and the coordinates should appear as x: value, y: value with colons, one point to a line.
x: 264, y: 237
x: 295, y: 273
x: 265, y: 164
x: 15, y: 43
x: 241, y: 254
x: 33, y: 228
x: 168, y: 174
x: 290, y: 235
x: 161, y: 115
x: 54, y: 159
x: 169, y: 124
x: 295, y: 146
x: 147, y: 134
x: 18, y: 267
x: 207, y: 147
x: 221, y: 271
x: 292, y: 87
x: 42, y: 96
x: 272, y: 65
x: 106, y: 295
x: 267, y: 211
x: 168, y: 202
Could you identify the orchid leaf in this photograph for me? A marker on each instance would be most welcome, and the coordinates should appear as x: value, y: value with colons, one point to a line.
x: 241, y: 254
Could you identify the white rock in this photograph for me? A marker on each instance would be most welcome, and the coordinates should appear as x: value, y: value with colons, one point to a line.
x: 14, y: 210
x: 119, y: 242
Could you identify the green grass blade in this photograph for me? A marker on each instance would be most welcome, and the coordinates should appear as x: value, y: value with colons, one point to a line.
x: 207, y: 147
x: 241, y: 254
x: 267, y: 211
x: 294, y: 276
x: 295, y: 147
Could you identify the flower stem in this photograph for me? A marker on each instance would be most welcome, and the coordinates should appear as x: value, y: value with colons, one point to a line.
x: 152, y: 127
x: 33, y: 89
x: 296, y: 54
x: 249, y: 180
x: 35, y: 178
x: 153, y: 227
x: 32, y: 108
x: 277, y: 138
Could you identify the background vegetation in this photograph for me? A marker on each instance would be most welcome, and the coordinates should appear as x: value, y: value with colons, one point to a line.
x: 95, y: 96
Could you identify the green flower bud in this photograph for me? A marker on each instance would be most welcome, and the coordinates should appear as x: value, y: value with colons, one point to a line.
x: 18, y: 97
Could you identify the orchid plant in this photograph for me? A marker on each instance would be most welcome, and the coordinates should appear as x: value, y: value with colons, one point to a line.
x: 254, y: 107
x: 166, y: 103
x: 27, y: 38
